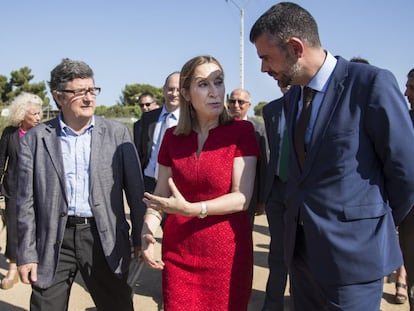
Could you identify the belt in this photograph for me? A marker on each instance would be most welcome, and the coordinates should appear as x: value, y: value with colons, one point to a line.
x: 73, y: 221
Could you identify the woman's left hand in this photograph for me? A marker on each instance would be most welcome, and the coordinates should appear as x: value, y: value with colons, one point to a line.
x: 175, y: 204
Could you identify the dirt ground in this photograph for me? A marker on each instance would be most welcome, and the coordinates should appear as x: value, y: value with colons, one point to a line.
x: 148, y: 287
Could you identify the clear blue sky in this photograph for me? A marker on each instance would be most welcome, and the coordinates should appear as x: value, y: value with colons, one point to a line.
x: 142, y: 41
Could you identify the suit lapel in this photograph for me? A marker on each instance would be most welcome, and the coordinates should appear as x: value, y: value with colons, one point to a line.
x: 292, y: 98
x: 98, y: 134
x: 329, y: 104
x: 53, y: 148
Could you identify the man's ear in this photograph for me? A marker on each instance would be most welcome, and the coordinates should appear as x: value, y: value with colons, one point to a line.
x: 57, y: 97
x: 297, y: 46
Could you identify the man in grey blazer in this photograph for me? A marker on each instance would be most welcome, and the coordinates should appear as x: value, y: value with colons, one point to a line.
x: 73, y: 173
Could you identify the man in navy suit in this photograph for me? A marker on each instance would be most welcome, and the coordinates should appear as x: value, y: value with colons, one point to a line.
x: 351, y: 174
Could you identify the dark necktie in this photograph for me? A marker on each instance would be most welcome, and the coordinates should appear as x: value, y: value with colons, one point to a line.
x: 284, y: 157
x: 302, y: 124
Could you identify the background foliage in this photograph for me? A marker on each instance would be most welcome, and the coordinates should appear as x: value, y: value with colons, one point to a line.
x: 125, y: 109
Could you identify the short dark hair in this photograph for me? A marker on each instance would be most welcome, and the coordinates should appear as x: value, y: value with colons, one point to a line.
x: 285, y: 20
x: 145, y: 94
x: 66, y: 71
x: 410, y: 73
x: 359, y: 60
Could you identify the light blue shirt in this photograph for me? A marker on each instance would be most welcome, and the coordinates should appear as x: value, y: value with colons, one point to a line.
x: 319, y: 83
x: 76, y: 153
x: 151, y: 169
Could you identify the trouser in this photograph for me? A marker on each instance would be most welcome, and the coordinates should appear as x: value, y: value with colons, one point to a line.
x: 276, y: 282
x: 309, y: 294
x: 11, y: 227
x: 406, y: 237
x: 82, y: 251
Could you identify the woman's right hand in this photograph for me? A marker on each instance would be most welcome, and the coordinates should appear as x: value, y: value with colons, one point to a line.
x: 147, y: 250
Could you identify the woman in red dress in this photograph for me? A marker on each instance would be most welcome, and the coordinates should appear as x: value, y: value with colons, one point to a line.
x: 205, y: 182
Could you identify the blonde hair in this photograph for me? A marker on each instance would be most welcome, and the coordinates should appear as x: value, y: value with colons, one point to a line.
x: 188, y: 117
x: 20, y: 105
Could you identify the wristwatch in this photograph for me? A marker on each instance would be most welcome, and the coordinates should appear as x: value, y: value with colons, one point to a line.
x: 203, y: 211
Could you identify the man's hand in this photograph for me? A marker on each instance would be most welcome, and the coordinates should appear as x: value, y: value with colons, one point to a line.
x: 260, y: 209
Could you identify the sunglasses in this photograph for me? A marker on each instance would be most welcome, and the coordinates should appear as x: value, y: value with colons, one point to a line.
x: 145, y: 104
x: 240, y: 101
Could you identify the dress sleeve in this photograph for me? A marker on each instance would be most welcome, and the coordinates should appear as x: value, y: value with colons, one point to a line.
x: 164, y: 154
x: 247, y: 144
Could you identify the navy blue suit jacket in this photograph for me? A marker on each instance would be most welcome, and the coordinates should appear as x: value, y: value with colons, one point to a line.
x: 358, y: 177
x: 144, y: 133
x: 272, y: 115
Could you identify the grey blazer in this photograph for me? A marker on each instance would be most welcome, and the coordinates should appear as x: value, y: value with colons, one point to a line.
x: 42, y: 203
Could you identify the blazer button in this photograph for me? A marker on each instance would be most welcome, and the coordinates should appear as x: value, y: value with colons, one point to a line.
x: 63, y: 214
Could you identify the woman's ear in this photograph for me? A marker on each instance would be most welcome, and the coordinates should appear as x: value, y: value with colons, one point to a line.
x: 185, y: 94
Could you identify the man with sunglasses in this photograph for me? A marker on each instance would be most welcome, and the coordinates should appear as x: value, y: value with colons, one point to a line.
x: 147, y: 102
x: 73, y: 172
x: 239, y: 103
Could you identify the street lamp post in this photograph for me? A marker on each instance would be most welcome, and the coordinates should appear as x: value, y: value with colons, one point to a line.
x: 241, y: 42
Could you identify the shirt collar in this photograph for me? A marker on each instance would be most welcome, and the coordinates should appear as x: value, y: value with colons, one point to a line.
x: 175, y: 113
x: 66, y: 128
x: 320, y: 81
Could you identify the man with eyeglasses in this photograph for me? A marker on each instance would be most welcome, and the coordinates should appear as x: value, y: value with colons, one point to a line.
x: 73, y: 171
x: 149, y: 131
x: 239, y: 103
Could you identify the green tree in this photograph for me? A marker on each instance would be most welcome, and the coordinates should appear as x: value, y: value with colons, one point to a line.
x: 4, y: 89
x: 20, y: 81
x: 21, y: 77
x: 131, y: 93
x: 118, y: 111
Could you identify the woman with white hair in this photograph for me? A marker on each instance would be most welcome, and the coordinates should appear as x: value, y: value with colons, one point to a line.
x: 25, y: 111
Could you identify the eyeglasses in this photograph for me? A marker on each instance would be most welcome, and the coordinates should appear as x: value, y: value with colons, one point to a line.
x: 145, y: 104
x: 240, y: 101
x: 94, y: 91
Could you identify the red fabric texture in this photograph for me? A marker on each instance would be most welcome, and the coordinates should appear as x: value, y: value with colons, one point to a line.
x: 209, y: 261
